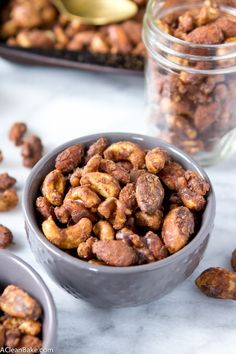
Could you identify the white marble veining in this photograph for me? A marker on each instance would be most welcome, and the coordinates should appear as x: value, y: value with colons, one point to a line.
x: 60, y: 105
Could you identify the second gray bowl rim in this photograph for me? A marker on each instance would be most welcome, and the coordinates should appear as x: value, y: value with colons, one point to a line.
x: 51, y: 307
x: 31, y: 221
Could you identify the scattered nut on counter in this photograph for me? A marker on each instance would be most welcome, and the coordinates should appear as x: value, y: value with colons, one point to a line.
x: 6, y: 237
x: 8, y: 195
x: 17, y: 132
x: 191, y: 110
x: 218, y: 282
x: 31, y: 145
x: 120, y: 205
x: 37, y: 24
x: 20, y: 320
x: 6, y: 181
x: 31, y: 151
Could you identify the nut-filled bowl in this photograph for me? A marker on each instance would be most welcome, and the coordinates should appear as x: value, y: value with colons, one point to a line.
x: 115, y: 286
x: 21, y: 277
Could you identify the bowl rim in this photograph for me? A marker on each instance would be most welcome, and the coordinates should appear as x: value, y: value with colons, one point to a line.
x: 204, y: 230
x: 50, y: 308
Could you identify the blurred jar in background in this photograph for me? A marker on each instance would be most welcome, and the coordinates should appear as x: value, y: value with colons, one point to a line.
x: 191, y: 75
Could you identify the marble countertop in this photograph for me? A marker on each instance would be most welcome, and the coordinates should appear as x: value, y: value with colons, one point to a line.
x: 184, y: 321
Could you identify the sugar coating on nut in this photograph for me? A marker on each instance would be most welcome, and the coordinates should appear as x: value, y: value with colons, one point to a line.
x: 128, y: 197
x: 218, y: 282
x: 149, y: 193
x: 69, y: 237
x: 97, y: 147
x: 114, y: 253
x: 149, y: 221
x: 53, y: 187
x: 155, y: 160
x: 126, y: 150
x: 44, y: 207
x: 102, y: 183
x: 17, y: 303
x: 68, y: 159
x: 178, y: 226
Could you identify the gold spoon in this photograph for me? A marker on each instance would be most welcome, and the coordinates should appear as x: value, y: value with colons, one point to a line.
x: 97, y: 12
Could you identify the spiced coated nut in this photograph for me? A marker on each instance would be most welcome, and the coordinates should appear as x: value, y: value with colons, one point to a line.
x: 126, y: 150
x: 114, y: 253
x: 53, y: 187
x: 178, y: 226
x: 8, y: 200
x: 6, y: 181
x: 149, y: 193
x: 218, y: 282
x: 69, y: 237
x: 6, y: 237
x: 17, y: 303
x: 68, y: 159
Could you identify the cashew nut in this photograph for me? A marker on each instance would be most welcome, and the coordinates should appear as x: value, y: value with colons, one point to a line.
x: 53, y: 187
x: 69, y: 237
x: 89, y: 198
x: 102, y: 183
x: 126, y: 150
x: 104, y: 231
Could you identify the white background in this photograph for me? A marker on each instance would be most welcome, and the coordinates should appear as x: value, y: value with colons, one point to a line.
x: 59, y: 105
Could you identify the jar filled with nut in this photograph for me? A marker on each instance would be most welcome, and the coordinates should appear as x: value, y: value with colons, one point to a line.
x: 191, y: 75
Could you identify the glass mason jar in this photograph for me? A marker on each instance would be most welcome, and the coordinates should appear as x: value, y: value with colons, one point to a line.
x: 191, y: 88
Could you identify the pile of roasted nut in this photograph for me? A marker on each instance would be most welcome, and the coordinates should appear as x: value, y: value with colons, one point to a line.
x: 191, y: 110
x: 31, y: 152
x: 37, y: 24
x: 120, y: 205
x: 20, y: 321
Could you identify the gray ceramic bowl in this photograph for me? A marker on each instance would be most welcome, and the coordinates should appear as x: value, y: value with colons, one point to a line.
x: 17, y: 272
x: 112, y: 286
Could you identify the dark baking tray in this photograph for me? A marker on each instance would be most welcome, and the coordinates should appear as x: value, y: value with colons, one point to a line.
x: 107, y: 63
x: 120, y: 64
